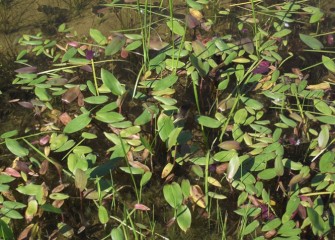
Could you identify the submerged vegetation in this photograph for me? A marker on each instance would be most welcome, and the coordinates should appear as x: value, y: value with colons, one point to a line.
x: 200, y: 121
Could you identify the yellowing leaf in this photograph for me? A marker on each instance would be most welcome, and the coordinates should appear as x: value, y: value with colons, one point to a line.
x: 214, y: 182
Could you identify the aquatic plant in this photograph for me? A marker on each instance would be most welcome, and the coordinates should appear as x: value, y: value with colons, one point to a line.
x: 217, y: 127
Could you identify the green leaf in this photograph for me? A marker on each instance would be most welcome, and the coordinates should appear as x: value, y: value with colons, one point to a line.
x: 10, y: 213
x: 109, y: 117
x: 327, y: 163
x: 288, y: 121
x: 50, y: 208
x: 103, y: 214
x: 251, y: 227
x: 165, y: 126
x: 42, y: 94
x: 164, y: 83
x: 329, y: 63
x: 5, y: 231
x: 115, y: 45
x: 112, y: 83
x: 69, y: 54
x: 322, y: 107
x: 323, y: 137
x: 13, y: 205
x: 208, y: 122
x: 184, y: 217
x: 254, y: 104
x: 240, y: 116
x: 311, y: 41
x: 175, y: 27
x: 173, y: 137
x: 87, y: 135
x: 96, y: 99
x: 316, y: 220
x: 233, y: 166
x: 98, y: 37
x: 173, y: 194
x: 145, y: 178
x: 267, y: 174
x: 78, y: 123
x: 15, y: 148
x: 279, y: 166
x: 273, y: 224
x: 326, y: 119
x: 58, y: 196
x: 117, y: 234
x: 132, y: 170
x: 9, y: 134
x: 282, y: 33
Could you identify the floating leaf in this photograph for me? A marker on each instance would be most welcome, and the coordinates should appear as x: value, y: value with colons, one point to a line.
x: 98, y: 37
x: 184, y: 217
x: 198, y: 196
x: 96, y: 99
x: 5, y: 231
x: 311, y: 41
x: 58, y: 196
x: 326, y: 119
x: 15, y: 148
x: 208, y: 122
x: 175, y: 27
x: 229, y: 145
x: 323, y: 137
x: 115, y: 45
x: 103, y: 214
x: 213, y: 182
x: 112, y: 83
x: 80, y: 179
x: 322, y: 107
x: 31, y: 210
x: 166, y: 170
x: 78, y: 123
x: 117, y: 234
x: 233, y: 166
x: 165, y: 126
x: 173, y: 194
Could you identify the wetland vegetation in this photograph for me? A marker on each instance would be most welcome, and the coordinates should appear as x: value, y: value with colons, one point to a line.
x: 196, y: 119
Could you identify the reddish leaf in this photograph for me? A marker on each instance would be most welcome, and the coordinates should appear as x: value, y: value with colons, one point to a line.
x: 142, y: 207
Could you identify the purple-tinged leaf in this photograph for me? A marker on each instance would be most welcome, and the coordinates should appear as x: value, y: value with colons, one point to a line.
x: 28, y: 105
x: 26, y: 70
x: 142, y: 207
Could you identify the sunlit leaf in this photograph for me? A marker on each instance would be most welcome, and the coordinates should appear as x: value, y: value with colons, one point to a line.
x: 184, y: 217
x: 233, y: 166
x: 98, y: 37
x: 329, y: 63
x: 213, y: 182
x: 15, y: 148
x: 208, y: 122
x: 166, y: 170
x: 103, y: 214
x: 175, y: 27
